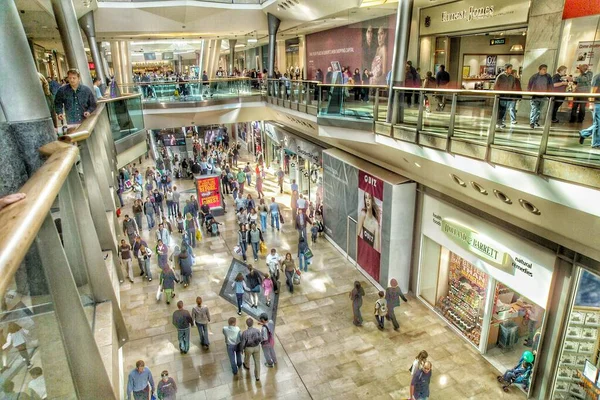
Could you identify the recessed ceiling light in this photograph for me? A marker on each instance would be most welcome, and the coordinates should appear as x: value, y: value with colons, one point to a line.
x: 479, y: 188
x: 418, y: 165
x: 458, y: 181
x: 502, y: 197
x: 529, y: 207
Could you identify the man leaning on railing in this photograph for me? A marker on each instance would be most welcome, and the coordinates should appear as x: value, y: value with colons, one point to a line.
x: 74, y: 101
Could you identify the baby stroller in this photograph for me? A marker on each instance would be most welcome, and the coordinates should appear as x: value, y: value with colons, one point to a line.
x: 211, y: 224
x: 519, y: 374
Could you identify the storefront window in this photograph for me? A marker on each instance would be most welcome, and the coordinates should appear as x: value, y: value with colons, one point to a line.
x: 579, y: 355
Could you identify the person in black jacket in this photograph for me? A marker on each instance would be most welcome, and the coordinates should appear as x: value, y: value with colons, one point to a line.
x: 442, y: 79
x: 253, y: 281
x: 539, y: 82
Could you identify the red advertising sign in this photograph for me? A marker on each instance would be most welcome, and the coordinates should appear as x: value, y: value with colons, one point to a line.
x: 208, y: 191
x: 580, y: 8
x: 370, y: 208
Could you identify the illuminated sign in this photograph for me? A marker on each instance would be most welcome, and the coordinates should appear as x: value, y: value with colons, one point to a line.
x: 497, y: 42
x: 208, y: 191
x: 476, y: 243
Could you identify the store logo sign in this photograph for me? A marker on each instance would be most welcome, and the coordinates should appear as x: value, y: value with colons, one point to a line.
x: 468, y: 14
x: 476, y: 243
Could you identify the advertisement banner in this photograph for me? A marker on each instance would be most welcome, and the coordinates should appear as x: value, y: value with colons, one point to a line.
x: 370, y: 208
x: 208, y: 191
x: 365, y: 45
x: 587, y: 53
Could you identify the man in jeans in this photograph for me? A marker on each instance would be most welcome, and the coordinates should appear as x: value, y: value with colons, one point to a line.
x: 130, y: 228
x: 505, y: 81
x: 594, y: 130
x: 232, y: 343
x: 125, y: 250
x: 255, y: 236
x: 539, y: 82
x: 268, y: 340
x: 392, y: 297
x: 182, y: 321
x: 419, y: 385
x: 250, y: 343
x: 140, y: 382
x: 274, y: 211
x: 201, y: 317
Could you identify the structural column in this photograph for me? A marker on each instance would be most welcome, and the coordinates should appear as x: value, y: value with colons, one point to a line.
x: 103, y: 58
x: 86, y: 23
x: 303, y: 62
x: 232, y: 43
x: 121, y: 61
x: 70, y: 35
x: 403, y: 19
x: 273, y: 22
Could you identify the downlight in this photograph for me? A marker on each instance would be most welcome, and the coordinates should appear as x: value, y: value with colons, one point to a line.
x: 458, y: 181
x: 502, y: 197
x: 479, y: 188
x: 529, y: 207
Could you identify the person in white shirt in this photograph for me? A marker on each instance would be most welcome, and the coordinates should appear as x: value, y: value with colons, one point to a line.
x: 37, y: 386
x: 301, y: 203
x: 16, y: 338
x: 274, y: 263
x: 232, y: 342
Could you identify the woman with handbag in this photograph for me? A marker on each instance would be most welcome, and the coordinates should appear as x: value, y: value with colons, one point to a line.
x: 253, y: 280
x: 289, y: 267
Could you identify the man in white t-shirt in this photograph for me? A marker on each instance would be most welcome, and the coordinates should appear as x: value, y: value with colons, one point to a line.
x: 301, y: 203
x: 37, y: 386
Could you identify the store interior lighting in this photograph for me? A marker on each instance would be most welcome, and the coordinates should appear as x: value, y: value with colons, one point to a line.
x: 516, y: 47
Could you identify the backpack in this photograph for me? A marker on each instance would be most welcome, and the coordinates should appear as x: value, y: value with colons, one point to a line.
x: 382, y: 307
x: 163, y: 179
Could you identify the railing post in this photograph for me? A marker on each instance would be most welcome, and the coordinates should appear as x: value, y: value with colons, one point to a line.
x: 307, y: 93
x: 492, y: 127
x: 102, y: 288
x: 545, y: 136
x: 376, y: 106
x: 395, y: 108
x: 78, y: 339
x: 320, y: 89
x: 420, y: 115
x: 451, y: 123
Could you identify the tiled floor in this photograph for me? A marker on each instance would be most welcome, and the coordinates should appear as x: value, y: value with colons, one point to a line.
x: 322, y: 355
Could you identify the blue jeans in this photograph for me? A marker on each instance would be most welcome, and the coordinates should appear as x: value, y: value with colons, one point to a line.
x: 171, y: 209
x: 203, y: 333
x: 150, y: 219
x: 147, y: 269
x: 536, y: 109
x: 244, y: 247
x: 235, y: 357
x: 512, y: 110
x: 275, y: 220
x: 255, y: 249
x: 594, y: 130
x: 192, y: 234
x: 138, y: 220
x: 263, y: 221
x: 240, y: 300
x: 302, y: 262
x: 249, y: 179
x: 183, y: 335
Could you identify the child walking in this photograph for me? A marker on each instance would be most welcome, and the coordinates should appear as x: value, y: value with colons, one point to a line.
x: 314, y: 230
x: 267, y: 285
x: 180, y: 222
x: 380, y: 310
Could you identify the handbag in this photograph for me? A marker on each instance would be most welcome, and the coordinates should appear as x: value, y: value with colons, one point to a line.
x: 263, y: 248
x: 198, y: 235
x: 296, y: 277
x: 256, y: 289
x: 159, y: 293
x: 281, y: 218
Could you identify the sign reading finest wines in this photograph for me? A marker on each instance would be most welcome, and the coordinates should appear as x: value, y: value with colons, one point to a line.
x: 208, y: 191
x: 465, y: 15
x: 370, y: 208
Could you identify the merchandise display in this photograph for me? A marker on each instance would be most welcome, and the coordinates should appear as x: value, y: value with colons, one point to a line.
x: 464, y: 303
x: 580, y: 345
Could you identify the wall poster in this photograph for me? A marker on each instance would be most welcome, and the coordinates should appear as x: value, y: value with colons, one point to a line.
x: 370, y: 208
x: 587, y: 53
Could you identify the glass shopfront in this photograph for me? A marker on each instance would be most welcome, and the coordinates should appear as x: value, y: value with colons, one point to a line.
x: 493, y: 292
x: 577, y: 373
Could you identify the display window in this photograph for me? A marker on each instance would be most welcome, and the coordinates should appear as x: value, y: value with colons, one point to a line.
x: 577, y: 373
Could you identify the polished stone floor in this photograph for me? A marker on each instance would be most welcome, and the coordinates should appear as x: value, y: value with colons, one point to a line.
x: 322, y: 355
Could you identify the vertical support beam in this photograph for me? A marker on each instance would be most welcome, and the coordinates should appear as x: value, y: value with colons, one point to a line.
x: 100, y: 281
x: 545, y: 136
x: 396, y: 105
x: 70, y: 35
x: 232, y: 43
x: 492, y: 128
x: 103, y: 58
x: 376, y: 106
x: 421, y: 110
x: 451, y: 123
x: 403, y: 19
x: 71, y: 237
x: 87, y: 369
x: 273, y: 25
x: 86, y: 22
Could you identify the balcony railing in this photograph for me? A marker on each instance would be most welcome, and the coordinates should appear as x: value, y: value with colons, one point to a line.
x: 195, y: 90
x: 58, y: 266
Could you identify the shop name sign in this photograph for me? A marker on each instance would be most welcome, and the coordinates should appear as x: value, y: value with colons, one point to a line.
x: 468, y: 14
x: 476, y: 243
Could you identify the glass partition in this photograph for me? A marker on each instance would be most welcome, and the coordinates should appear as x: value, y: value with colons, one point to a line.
x: 353, y: 101
x: 125, y: 115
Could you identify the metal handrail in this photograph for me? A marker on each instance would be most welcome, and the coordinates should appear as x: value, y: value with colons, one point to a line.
x: 350, y: 86
x: 122, y: 97
x: 292, y: 80
x: 495, y: 92
x: 218, y: 80
x: 21, y: 221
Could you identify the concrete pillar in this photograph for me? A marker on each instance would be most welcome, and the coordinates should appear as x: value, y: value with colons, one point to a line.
x: 103, y: 58
x: 273, y: 22
x: 403, y: 20
x: 86, y: 23
x: 70, y: 35
x: 121, y: 60
x: 302, y: 54
x: 280, y: 57
x: 232, y: 43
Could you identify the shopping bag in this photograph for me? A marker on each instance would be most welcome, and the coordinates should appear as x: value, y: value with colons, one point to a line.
x: 308, y: 254
x: 263, y: 248
x: 237, y: 250
x: 159, y: 293
x: 296, y: 277
x: 281, y: 218
x: 198, y: 235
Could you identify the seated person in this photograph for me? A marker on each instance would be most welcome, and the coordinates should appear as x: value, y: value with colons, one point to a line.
x: 520, y: 373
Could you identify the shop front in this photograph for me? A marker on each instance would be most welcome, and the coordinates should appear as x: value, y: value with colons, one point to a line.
x: 474, y: 39
x: 490, y: 286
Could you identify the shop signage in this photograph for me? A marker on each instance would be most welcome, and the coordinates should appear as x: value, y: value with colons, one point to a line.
x: 580, y: 8
x: 476, y: 243
x: 497, y: 42
x: 467, y: 15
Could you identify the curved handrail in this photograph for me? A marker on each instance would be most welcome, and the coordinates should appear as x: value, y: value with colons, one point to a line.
x: 21, y: 221
x: 85, y: 129
x: 122, y: 97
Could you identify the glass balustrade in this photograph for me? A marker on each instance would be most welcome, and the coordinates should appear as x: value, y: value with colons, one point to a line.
x: 125, y: 116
